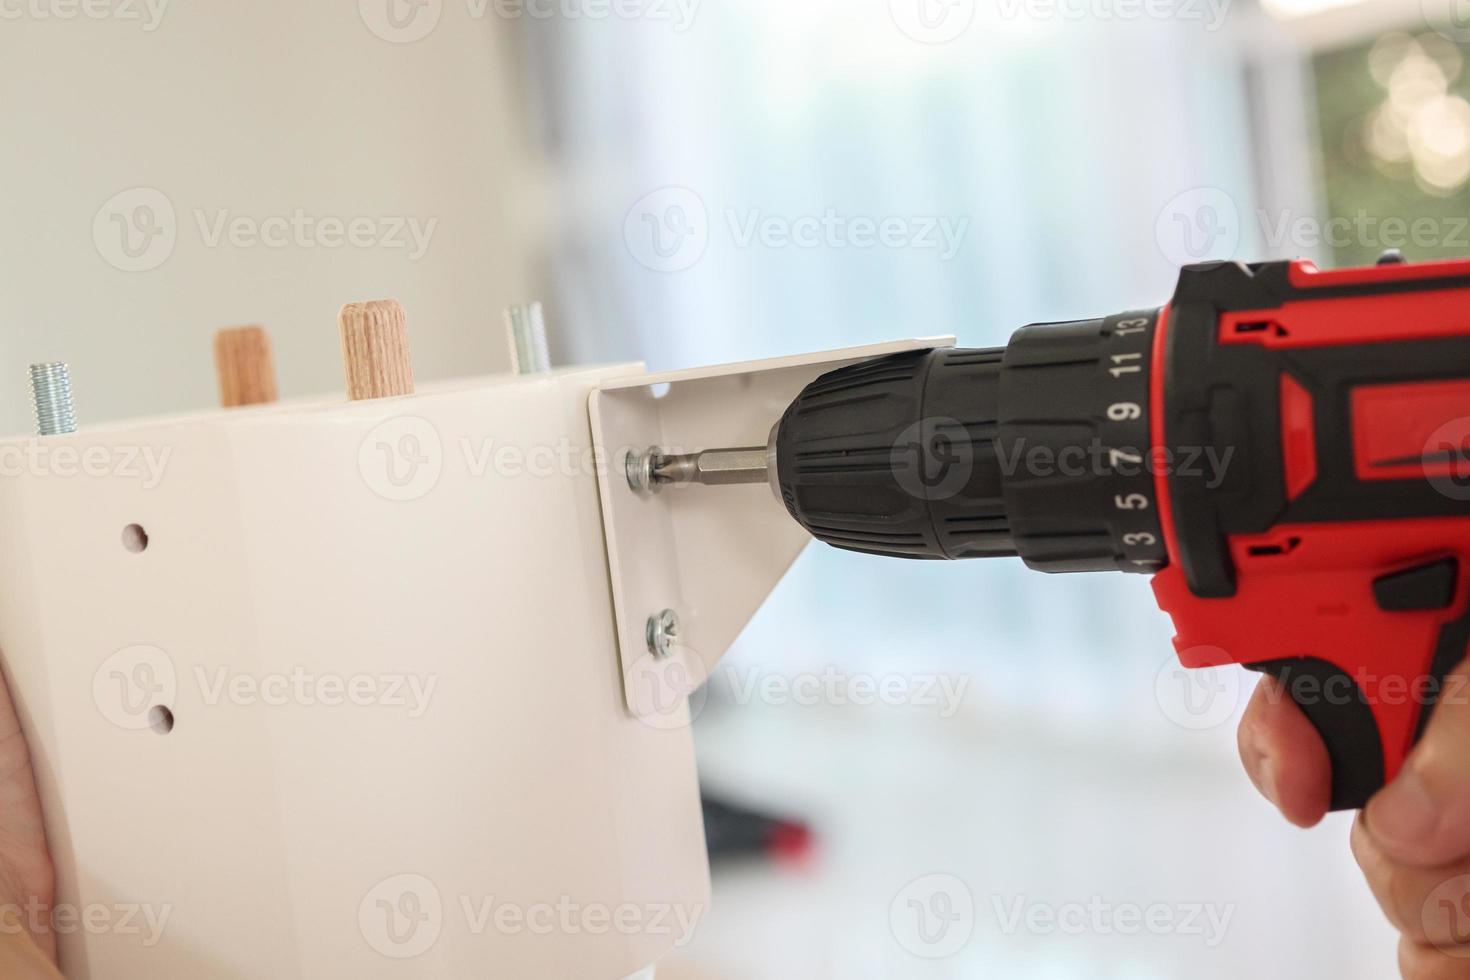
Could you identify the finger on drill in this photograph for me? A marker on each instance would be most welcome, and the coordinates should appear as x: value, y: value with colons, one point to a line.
x: 1284, y: 756
x: 1422, y: 818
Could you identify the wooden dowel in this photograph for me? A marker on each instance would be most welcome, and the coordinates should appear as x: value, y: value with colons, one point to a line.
x: 375, y: 350
x: 247, y: 371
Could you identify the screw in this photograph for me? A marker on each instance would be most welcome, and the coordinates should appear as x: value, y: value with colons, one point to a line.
x: 663, y: 630
x: 525, y: 326
x: 51, y: 388
x: 640, y: 469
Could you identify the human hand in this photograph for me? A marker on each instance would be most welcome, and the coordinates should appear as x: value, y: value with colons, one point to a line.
x: 1412, y: 840
x: 27, y: 880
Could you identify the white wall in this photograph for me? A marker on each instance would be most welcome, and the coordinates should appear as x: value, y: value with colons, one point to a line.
x: 255, y: 109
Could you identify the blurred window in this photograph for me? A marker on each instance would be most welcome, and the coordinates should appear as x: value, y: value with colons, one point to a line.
x: 1395, y: 134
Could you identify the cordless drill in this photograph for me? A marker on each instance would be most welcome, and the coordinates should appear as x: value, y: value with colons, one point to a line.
x: 1285, y: 450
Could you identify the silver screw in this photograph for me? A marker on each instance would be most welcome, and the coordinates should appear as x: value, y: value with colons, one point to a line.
x: 663, y: 630
x: 525, y: 328
x: 640, y: 469
x: 51, y: 388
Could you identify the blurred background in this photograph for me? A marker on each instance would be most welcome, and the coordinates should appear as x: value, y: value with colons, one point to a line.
x: 1001, y: 773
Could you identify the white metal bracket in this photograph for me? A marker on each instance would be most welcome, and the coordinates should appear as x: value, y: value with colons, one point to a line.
x: 711, y: 554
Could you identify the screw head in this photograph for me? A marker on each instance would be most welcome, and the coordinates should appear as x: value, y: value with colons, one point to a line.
x: 663, y: 630
x: 639, y: 468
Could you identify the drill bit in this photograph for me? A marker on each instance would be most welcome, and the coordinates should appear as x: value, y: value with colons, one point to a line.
x: 655, y: 469
x: 714, y: 467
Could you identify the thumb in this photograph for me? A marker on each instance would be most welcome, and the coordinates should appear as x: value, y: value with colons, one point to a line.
x: 1422, y: 818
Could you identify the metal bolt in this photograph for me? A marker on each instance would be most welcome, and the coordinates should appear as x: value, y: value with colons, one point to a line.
x: 51, y: 388
x: 525, y: 327
x: 663, y: 630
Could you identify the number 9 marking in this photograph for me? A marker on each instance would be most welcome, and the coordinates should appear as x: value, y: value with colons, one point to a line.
x: 1125, y: 411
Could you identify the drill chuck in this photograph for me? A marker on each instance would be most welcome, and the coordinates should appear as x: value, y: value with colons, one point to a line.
x: 1039, y: 449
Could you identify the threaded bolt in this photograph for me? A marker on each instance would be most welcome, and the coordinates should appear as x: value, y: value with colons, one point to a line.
x: 51, y: 388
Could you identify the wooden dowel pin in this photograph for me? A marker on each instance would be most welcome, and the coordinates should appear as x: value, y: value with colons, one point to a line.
x: 247, y: 371
x: 375, y: 350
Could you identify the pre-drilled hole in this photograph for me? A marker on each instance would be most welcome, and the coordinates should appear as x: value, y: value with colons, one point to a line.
x: 135, y: 539
x: 160, y: 719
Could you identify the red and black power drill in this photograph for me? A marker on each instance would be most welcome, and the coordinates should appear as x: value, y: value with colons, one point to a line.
x: 1285, y: 450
